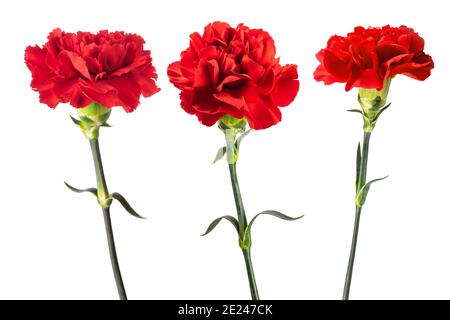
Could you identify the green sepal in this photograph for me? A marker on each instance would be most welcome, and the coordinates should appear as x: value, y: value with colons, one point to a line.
x: 91, y: 119
x: 126, y: 205
x: 88, y: 122
x: 220, y: 154
x: 94, y: 114
x: 90, y: 190
x: 372, y: 100
x: 246, y: 241
x: 214, y: 224
x: 90, y: 130
x: 362, y: 194
x: 228, y: 122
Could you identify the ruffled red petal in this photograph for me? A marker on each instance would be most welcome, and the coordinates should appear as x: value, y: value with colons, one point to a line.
x: 233, y: 71
x: 110, y: 68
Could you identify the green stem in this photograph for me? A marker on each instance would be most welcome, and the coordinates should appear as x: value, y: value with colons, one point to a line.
x: 102, y: 188
x: 105, y: 202
x: 351, y: 260
x: 250, y: 274
x: 361, y: 181
x: 113, y: 254
x: 242, y: 219
x: 238, y: 199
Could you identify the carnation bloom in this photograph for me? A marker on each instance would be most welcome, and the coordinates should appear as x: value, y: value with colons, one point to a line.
x: 235, y: 72
x: 108, y: 68
x: 368, y: 57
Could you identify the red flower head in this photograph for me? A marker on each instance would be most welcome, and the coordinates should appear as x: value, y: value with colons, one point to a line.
x: 233, y: 71
x: 367, y: 57
x: 109, y: 68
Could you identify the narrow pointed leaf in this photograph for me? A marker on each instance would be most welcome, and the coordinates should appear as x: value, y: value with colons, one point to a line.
x: 91, y: 190
x: 356, y: 111
x: 273, y: 214
x: 220, y: 154
x: 247, y: 234
x: 76, y: 121
x: 362, y: 194
x: 358, y: 165
x: 106, y: 125
x: 241, y: 137
x: 214, y: 224
x: 126, y: 205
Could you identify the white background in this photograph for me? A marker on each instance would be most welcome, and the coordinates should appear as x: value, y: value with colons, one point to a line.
x: 53, y: 243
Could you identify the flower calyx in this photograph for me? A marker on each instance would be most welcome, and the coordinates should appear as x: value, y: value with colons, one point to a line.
x: 373, y: 103
x: 91, y: 119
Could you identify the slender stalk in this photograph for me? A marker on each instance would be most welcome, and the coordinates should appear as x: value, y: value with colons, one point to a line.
x: 103, y: 198
x: 238, y: 199
x: 113, y: 254
x: 242, y: 219
x: 351, y: 260
x: 102, y: 188
x: 250, y: 274
x: 361, y: 181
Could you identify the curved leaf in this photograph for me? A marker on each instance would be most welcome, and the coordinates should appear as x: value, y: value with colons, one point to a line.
x: 91, y: 190
x: 220, y: 154
x: 273, y: 213
x: 362, y: 194
x: 126, y: 205
x: 241, y: 137
x: 356, y: 111
x: 214, y: 224
x: 246, y: 241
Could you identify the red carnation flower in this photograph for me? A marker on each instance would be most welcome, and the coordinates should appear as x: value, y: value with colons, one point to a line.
x: 366, y: 57
x: 233, y: 71
x: 109, y: 68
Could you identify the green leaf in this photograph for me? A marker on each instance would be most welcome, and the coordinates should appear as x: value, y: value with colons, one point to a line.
x: 356, y: 111
x: 214, y: 224
x: 76, y: 121
x: 358, y: 165
x: 246, y: 241
x: 91, y: 190
x: 241, y: 137
x: 106, y: 125
x: 362, y: 194
x: 126, y: 205
x: 275, y: 214
x: 220, y: 154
